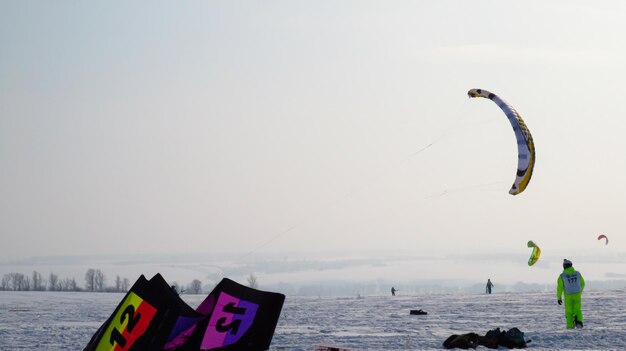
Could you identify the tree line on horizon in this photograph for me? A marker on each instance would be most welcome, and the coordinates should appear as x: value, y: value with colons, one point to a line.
x: 95, y: 281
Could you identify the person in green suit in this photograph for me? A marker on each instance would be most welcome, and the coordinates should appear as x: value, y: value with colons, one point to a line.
x: 571, y: 283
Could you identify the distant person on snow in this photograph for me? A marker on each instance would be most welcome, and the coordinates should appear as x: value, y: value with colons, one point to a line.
x: 489, y: 286
x: 573, y: 283
x: 393, y: 291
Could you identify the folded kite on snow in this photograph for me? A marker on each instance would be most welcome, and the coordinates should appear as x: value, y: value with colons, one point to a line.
x: 153, y: 317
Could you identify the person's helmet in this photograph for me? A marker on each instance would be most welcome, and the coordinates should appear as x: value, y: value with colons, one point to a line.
x: 567, y: 263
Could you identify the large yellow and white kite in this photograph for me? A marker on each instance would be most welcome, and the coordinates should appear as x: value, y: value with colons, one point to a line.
x: 525, y: 145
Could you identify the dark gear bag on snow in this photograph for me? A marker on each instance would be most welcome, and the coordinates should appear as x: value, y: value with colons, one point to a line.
x: 463, y: 341
x: 514, y: 339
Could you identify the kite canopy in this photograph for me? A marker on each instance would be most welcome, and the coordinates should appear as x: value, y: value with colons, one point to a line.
x: 602, y: 236
x: 534, y: 256
x: 153, y: 317
x: 525, y: 144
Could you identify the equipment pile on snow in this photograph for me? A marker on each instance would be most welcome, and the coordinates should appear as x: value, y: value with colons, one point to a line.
x: 512, y: 339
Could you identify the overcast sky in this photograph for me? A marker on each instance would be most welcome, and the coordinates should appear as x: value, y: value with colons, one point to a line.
x: 289, y: 126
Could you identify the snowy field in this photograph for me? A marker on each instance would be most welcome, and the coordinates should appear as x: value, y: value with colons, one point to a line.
x: 66, y: 321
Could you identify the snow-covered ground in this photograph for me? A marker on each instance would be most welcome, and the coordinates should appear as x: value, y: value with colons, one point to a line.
x: 66, y: 321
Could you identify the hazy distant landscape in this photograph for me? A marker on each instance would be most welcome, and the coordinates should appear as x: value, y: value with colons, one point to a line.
x: 317, y: 274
